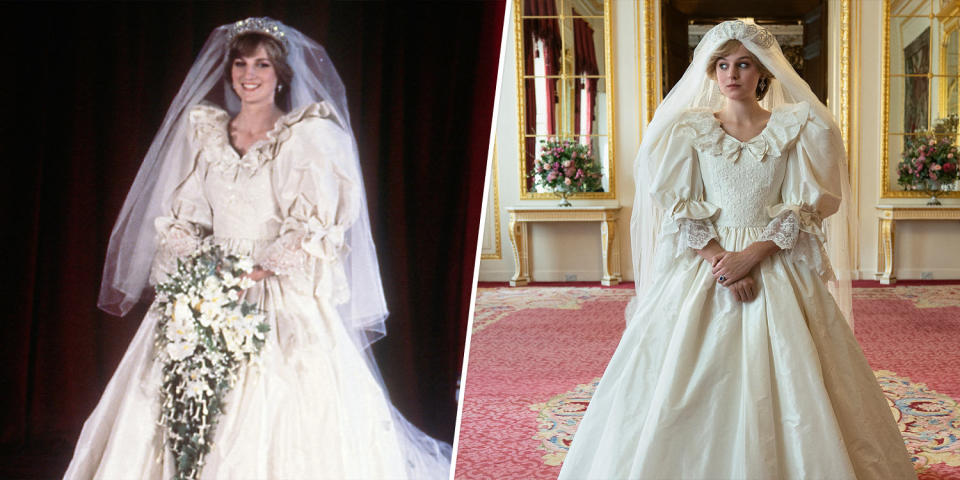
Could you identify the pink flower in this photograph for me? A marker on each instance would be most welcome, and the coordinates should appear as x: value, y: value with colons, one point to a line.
x: 933, y: 176
x: 566, y: 163
x: 551, y: 176
x: 574, y: 154
x: 556, y: 165
x: 949, y: 167
x: 567, y: 181
x: 935, y: 167
x: 570, y: 171
x: 949, y: 155
x: 933, y: 142
x: 579, y: 173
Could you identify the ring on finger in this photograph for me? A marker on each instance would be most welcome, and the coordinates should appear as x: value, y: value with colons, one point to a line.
x: 722, y: 279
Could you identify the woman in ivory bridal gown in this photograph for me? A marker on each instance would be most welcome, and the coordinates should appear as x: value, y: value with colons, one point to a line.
x: 737, y: 362
x: 273, y: 174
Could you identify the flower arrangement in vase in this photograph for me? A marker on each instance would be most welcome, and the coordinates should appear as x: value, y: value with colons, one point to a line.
x: 565, y: 167
x: 929, y: 162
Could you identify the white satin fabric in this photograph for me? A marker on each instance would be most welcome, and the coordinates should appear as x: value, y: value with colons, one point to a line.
x: 314, y: 408
x: 703, y: 386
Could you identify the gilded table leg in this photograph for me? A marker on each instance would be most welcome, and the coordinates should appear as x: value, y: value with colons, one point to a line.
x: 521, y: 253
x: 885, y: 252
x: 610, y: 248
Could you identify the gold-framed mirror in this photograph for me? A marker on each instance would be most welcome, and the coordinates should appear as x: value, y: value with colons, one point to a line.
x: 920, y: 83
x: 564, y: 85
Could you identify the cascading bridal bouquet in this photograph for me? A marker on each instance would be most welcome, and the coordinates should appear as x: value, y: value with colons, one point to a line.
x: 205, y: 334
x: 565, y: 167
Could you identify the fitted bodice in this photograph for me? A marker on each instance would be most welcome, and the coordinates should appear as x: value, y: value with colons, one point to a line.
x: 741, y: 179
x: 243, y: 205
x: 742, y: 189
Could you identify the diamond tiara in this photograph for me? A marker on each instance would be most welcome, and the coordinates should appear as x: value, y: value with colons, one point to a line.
x: 264, y: 25
x: 739, y: 30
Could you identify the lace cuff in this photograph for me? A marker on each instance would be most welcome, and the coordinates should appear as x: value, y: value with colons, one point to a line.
x: 782, y: 230
x: 286, y: 257
x: 695, y: 233
x: 175, y: 239
x: 797, y: 231
x: 311, y: 252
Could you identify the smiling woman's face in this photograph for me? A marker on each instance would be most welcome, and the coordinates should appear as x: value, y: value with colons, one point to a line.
x: 738, y: 74
x: 254, y: 78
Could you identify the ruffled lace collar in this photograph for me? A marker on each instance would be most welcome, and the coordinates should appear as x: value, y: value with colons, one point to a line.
x: 782, y: 128
x: 210, y: 128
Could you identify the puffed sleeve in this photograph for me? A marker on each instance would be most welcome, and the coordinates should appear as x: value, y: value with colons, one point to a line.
x: 678, y: 189
x: 318, y: 192
x: 187, y: 217
x: 811, y: 191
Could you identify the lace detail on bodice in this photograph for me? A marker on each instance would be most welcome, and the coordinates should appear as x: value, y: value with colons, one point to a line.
x: 211, y: 133
x: 240, y: 192
x: 743, y: 178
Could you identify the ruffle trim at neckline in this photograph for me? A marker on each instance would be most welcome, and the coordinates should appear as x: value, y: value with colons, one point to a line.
x: 782, y: 129
x: 209, y: 126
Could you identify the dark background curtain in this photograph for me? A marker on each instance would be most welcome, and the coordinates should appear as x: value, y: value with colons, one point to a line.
x: 87, y: 85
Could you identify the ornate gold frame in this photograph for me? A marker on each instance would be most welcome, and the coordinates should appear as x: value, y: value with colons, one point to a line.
x: 886, y: 191
x: 495, y: 185
x: 521, y: 107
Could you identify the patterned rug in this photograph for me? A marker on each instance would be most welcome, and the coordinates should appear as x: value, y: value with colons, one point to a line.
x: 534, y: 366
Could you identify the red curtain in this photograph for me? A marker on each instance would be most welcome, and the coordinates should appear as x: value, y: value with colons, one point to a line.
x: 90, y: 88
x: 585, y: 63
x: 546, y: 30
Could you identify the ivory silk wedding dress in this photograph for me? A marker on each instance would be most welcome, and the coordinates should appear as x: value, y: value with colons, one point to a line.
x: 315, y: 407
x: 313, y: 410
x: 703, y: 386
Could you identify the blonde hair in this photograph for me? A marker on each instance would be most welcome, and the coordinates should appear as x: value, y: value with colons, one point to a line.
x: 731, y: 46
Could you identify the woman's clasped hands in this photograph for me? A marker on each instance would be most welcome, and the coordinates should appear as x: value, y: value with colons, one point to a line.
x: 732, y: 269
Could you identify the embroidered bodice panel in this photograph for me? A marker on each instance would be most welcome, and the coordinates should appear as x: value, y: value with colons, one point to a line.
x: 743, y: 178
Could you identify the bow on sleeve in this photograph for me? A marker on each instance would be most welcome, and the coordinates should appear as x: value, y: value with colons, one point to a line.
x: 319, y: 198
x: 677, y: 188
x: 811, y: 191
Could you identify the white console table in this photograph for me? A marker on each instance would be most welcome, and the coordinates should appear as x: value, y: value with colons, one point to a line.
x: 888, y: 215
x: 521, y: 217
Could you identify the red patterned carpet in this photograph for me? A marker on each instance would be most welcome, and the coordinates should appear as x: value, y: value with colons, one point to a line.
x: 537, y: 352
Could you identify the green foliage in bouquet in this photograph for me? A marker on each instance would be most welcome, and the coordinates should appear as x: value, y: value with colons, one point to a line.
x: 205, y: 334
x: 566, y: 166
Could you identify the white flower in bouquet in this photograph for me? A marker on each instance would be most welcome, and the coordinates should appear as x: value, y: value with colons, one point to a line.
x: 245, y: 264
x: 181, y: 350
x: 196, y: 388
x: 181, y: 309
x: 229, y: 280
x: 246, y: 283
x: 181, y: 331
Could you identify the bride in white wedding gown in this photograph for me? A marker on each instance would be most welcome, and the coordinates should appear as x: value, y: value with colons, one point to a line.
x: 273, y: 173
x: 737, y: 361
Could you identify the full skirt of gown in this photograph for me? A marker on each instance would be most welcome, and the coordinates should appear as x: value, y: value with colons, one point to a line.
x: 312, y: 410
x: 703, y: 386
